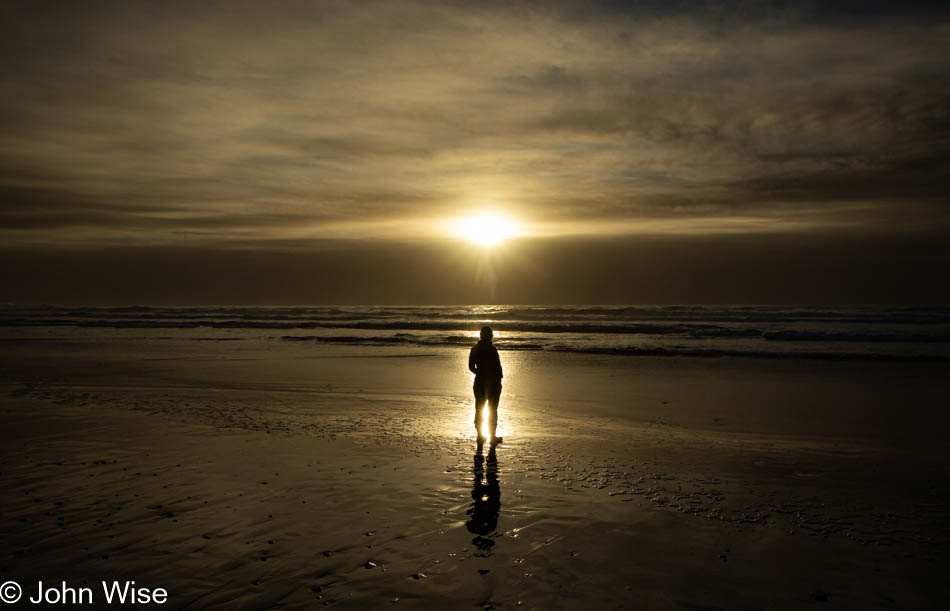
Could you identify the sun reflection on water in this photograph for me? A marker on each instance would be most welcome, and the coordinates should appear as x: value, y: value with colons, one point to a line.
x: 483, y: 428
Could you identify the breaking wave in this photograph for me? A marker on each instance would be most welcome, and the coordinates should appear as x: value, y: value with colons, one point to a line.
x: 870, y: 332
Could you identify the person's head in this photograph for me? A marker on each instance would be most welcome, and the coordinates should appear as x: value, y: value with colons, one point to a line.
x: 487, y: 334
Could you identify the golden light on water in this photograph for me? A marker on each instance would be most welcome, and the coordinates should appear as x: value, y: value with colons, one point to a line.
x: 486, y: 229
x: 483, y: 428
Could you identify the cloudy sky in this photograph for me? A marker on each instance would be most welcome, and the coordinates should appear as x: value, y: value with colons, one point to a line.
x: 319, y: 152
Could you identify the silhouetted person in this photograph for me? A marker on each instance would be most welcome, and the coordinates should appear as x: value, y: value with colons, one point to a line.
x: 483, y: 361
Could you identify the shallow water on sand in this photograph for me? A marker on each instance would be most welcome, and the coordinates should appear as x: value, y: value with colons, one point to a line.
x: 307, y: 472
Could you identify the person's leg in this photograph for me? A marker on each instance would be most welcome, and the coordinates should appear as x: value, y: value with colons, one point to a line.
x: 479, y: 406
x: 493, y: 406
x: 480, y: 399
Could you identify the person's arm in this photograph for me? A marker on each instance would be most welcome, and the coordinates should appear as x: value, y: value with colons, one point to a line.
x: 471, y: 361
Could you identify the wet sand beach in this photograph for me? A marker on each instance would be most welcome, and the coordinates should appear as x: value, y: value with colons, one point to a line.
x: 237, y: 477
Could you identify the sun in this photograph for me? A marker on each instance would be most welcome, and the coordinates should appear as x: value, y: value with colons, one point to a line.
x: 486, y: 229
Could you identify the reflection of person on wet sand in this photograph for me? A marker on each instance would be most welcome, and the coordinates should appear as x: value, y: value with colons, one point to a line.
x: 484, y: 362
x: 483, y: 514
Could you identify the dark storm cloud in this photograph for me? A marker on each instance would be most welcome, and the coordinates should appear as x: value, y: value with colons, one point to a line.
x: 803, y: 11
x: 276, y: 125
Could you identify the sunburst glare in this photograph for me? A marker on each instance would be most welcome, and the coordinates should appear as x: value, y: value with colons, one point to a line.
x: 486, y: 229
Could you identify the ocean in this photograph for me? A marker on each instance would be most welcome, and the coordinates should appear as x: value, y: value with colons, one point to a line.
x: 798, y: 332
